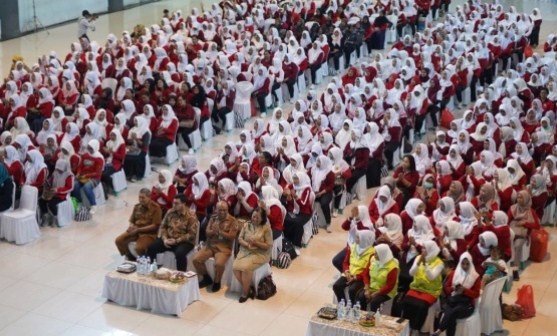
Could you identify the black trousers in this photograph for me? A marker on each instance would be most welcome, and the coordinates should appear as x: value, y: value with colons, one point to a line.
x: 313, y: 69
x: 452, y: 312
x: 337, y: 195
x: 260, y: 97
x: 290, y: 84
x: 473, y: 84
x: 374, y: 303
x: 51, y: 205
x: 415, y: 310
x: 353, y: 289
x: 347, y: 52
x: 134, y: 165
x: 276, y: 86
x: 325, y: 202
x: 390, y: 149
x: 158, y: 147
x: 294, y: 227
x: 106, y: 179
x: 338, y: 260
x: 336, y: 58
x: 180, y: 251
x: 185, y: 133
x: 373, y: 173
x: 356, y: 174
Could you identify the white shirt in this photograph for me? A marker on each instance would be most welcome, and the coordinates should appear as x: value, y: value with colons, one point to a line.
x: 83, y: 26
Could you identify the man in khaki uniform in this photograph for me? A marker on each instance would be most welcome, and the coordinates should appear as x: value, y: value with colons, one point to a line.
x: 144, y: 225
x: 222, y: 231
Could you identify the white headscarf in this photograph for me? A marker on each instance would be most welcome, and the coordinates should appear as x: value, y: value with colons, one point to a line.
x: 465, y: 278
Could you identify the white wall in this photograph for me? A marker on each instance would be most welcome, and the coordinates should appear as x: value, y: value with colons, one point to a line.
x: 51, y: 12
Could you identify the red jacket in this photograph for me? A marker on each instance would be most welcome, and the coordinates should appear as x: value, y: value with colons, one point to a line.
x: 303, y: 202
x: 275, y: 217
x: 164, y: 200
x: 201, y: 204
x: 91, y: 166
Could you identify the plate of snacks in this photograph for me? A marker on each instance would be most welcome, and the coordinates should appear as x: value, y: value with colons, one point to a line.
x: 177, y: 277
x: 367, y: 321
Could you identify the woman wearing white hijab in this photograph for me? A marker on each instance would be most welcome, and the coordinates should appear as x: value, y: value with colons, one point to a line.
x: 165, y: 134
x: 322, y: 182
x: 36, y: 171
x: 276, y: 212
x: 452, y: 242
x: 343, y: 136
x: 138, y: 141
x: 115, y: 153
x: 358, y: 254
x: 426, y: 285
x: 462, y: 287
x: 382, y: 205
x: 164, y: 191
x: 61, y: 184
x: 90, y: 172
x: 445, y: 212
x: 297, y: 199
x: 247, y: 200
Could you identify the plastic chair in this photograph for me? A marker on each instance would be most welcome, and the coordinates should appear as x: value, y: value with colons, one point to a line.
x: 428, y: 326
x: 65, y: 213
x: 99, y: 196
x: 230, y: 122
x: 119, y: 182
x: 308, y: 226
x: 470, y: 326
x: 109, y: 83
x: 171, y: 154
x: 242, y: 103
x: 20, y: 225
x: 490, y: 309
x: 258, y: 274
x: 301, y: 82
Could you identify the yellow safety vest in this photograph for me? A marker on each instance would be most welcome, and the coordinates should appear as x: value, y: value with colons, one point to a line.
x: 378, y: 276
x: 422, y: 284
x: 359, y: 263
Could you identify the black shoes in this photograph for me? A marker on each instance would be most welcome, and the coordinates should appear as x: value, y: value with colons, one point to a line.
x: 216, y: 287
x: 205, y: 282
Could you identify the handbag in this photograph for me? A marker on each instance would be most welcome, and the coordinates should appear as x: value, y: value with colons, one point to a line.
x: 266, y: 288
x: 288, y: 247
x: 525, y: 300
x: 512, y: 312
x: 538, y: 247
x: 82, y: 215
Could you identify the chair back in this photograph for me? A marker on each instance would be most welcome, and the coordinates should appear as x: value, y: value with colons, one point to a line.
x: 28, y: 199
x: 210, y: 104
x: 243, y: 90
x: 492, y: 291
x: 197, y: 116
x: 13, y: 196
x: 110, y: 83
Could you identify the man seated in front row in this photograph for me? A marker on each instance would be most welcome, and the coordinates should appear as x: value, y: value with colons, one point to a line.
x: 178, y: 233
x: 144, y: 226
x: 222, y: 230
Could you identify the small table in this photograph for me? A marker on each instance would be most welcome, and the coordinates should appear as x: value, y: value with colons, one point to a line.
x: 146, y: 292
x: 389, y: 327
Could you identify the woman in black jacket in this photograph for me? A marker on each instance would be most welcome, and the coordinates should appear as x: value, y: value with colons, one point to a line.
x: 6, y: 189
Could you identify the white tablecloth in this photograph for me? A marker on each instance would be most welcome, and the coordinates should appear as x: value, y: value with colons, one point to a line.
x: 159, y: 296
x: 322, y: 327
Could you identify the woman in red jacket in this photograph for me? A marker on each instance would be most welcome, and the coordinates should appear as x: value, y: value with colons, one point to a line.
x: 499, y: 224
x: 356, y: 154
x: 381, y: 205
x: 522, y: 220
x: 290, y: 75
x: 538, y: 190
x: 298, y: 199
x: 261, y: 87
x: 407, y: 178
x: 198, y: 199
x: 165, y: 134
x: 68, y: 97
x: 247, y: 201
x: 163, y: 192
x: 276, y: 212
x: 36, y: 171
x: 323, y: 183
x: 89, y: 175
x: 114, y: 153
x: 14, y: 165
x: 61, y: 184
x: 462, y: 288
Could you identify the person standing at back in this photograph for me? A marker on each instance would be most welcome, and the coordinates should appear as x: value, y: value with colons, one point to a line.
x: 84, y: 23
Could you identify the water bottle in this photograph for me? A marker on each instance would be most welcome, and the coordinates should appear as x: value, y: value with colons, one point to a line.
x: 154, y: 267
x: 356, y: 315
x: 348, y: 314
x: 340, y: 309
x: 140, y: 262
x: 378, y: 317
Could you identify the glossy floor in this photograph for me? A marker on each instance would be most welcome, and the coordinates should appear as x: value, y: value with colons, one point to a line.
x: 53, y: 286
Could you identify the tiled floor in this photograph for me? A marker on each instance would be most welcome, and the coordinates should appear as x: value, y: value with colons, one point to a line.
x: 53, y: 286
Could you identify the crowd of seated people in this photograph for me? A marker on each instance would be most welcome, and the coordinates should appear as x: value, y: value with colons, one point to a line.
x: 493, y: 170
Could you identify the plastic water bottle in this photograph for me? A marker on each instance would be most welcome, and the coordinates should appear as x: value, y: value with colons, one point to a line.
x: 348, y: 314
x: 140, y: 263
x: 340, y: 309
x: 356, y: 312
x: 154, y: 267
x: 378, y: 317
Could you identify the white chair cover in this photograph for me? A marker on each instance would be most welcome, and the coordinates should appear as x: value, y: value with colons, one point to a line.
x: 195, y: 136
x: 428, y: 326
x: 490, y: 308
x: 147, y: 166
x: 171, y: 154
x: 470, y: 326
x: 230, y: 122
x: 119, y: 182
x: 207, y: 130
x: 20, y: 225
x: 242, y: 103
x: 65, y: 213
x: 258, y: 274
x: 360, y: 188
x: 99, y: 196
x: 110, y: 83
x: 277, y: 248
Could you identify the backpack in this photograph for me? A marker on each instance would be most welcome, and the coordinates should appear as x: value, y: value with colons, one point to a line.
x: 288, y: 247
x: 283, y: 261
x: 266, y: 288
